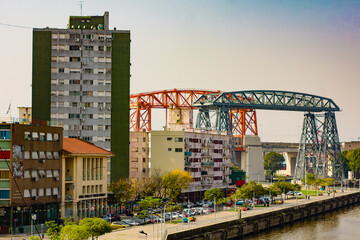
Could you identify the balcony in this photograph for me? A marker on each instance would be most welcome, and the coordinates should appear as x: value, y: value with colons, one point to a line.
x: 68, y: 178
x: 68, y: 198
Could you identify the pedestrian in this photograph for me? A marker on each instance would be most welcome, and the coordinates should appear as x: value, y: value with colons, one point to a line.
x: 328, y: 192
x: 309, y: 197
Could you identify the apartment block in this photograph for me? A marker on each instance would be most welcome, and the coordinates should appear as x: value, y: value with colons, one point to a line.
x: 139, y: 155
x: 84, y: 179
x: 81, y: 77
x: 206, y: 156
x: 30, y: 175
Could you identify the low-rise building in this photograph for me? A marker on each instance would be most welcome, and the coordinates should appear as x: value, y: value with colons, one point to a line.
x: 85, y: 181
x: 206, y: 156
x: 30, y: 175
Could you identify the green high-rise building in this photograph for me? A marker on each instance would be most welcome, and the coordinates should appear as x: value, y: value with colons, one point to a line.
x: 81, y: 79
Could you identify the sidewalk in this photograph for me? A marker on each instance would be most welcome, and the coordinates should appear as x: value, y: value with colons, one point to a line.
x: 154, y: 230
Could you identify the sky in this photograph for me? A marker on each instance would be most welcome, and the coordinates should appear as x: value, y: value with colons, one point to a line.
x: 229, y: 45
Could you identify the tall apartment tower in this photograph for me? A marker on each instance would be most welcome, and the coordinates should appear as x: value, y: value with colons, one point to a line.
x: 81, y: 77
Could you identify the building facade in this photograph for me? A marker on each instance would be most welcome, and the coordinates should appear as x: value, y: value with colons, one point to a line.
x: 139, y: 155
x: 206, y: 156
x: 33, y: 185
x: 84, y: 179
x: 81, y: 77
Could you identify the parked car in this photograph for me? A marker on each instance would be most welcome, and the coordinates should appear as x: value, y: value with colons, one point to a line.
x: 130, y: 222
x: 115, y: 217
x: 106, y: 218
x: 118, y: 224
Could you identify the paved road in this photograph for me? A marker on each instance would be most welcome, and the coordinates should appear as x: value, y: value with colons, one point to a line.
x: 154, y: 230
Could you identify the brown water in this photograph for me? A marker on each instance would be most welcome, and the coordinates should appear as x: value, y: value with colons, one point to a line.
x: 339, y: 225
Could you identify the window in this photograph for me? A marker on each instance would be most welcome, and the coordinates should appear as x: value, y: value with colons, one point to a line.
x: 88, y: 189
x: 26, y: 174
x: 144, y: 159
x: 56, y: 137
x: 49, y: 155
x: 169, y: 149
x: 91, y: 48
x: 108, y: 49
x: 34, y: 155
x: 74, y: 93
x: 56, y: 155
x: 34, y: 174
x: 34, y: 192
x: 42, y: 173
x: 74, y: 59
x: 74, y: 104
x: 27, y: 136
x: 26, y: 155
x: 92, y: 189
x: 72, y: 115
x: 74, y: 82
x: 48, y: 191
x: 87, y: 93
x: 169, y: 139
x: 100, y: 127
x: 101, y: 188
x: 42, y: 155
x: 134, y: 149
x: 83, y: 189
x: 178, y: 139
x: 88, y: 70
x: 35, y: 136
x: 49, y: 136
x: 134, y: 159
x: 49, y: 174
x: 42, y: 137
x: 133, y: 169
x: 61, y: 70
x: 88, y: 82
x: 87, y: 59
x: 178, y: 149
x: 101, y: 48
x: 26, y: 193
x: 55, y: 191
x: 41, y: 192
x: 56, y: 173
x: 74, y: 48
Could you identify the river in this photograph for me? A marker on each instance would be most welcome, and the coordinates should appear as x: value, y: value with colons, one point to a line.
x: 342, y: 224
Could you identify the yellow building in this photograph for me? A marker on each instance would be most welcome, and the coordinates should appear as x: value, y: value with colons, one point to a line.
x: 84, y: 179
x: 206, y: 156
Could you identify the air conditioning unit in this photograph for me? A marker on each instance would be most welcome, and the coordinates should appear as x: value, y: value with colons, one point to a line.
x: 58, y: 196
x: 42, y: 160
x: 91, y: 40
x: 100, y: 108
x: 83, y: 64
x: 77, y: 40
x: 35, y: 179
x: 83, y: 108
x: 83, y: 120
x: 56, y: 178
x: 101, y: 39
x: 108, y: 108
x: 108, y: 39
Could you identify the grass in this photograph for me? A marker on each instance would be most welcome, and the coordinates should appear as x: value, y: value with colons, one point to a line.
x: 176, y: 221
x: 312, y: 192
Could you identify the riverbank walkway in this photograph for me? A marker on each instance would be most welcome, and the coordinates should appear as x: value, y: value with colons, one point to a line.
x: 154, y: 231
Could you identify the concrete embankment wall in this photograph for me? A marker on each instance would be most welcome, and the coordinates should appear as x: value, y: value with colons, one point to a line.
x: 238, y: 229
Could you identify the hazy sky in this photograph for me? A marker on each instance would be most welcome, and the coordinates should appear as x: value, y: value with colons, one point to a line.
x: 303, y: 46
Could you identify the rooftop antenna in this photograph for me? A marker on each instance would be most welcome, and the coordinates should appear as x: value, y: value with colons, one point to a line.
x: 81, y: 5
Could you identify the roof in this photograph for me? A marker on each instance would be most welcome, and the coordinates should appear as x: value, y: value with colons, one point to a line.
x: 79, y: 146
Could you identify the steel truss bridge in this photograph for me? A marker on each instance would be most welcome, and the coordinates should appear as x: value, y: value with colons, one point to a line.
x: 243, y: 121
x: 319, y: 148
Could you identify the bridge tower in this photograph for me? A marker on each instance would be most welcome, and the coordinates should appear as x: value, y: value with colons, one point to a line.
x: 319, y: 149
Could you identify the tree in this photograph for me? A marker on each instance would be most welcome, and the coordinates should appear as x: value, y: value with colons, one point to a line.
x: 95, y: 226
x: 175, y: 182
x: 310, y: 179
x: 53, y: 230
x: 344, y: 155
x: 354, y: 160
x: 285, y: 187
x: 272, y: 162
x: 249, y: 190
x: 149, y: 202
x: 273, y: 191
x: 214, y: 193
x: 122, y: 191
x: 74, y: 232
